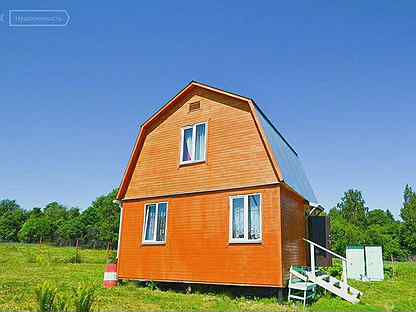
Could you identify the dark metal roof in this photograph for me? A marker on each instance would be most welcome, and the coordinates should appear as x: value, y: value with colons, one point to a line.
x: 289, y: 161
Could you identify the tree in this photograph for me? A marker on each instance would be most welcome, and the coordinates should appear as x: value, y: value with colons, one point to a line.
x: 73, y: 213
x: 36, y: 229
x: 352, y: 207
x: 408, y: 214
x: 408, y: 195
x: 379, y: 217
x: 101, y: 218
x: 7, y: 205
x: 35, y: 212
x: 55, y: 212
x: 386, y: 236
x: 344, y: 233
x: 11, y: 223
x: 71, y: 230
x: 12, y: 218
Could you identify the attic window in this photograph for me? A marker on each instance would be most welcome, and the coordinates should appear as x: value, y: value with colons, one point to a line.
x: 194, y: 142
x: 194, y: 106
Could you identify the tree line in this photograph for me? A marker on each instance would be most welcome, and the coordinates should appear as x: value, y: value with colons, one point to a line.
x: 352, y: 223
x: 96, y: 226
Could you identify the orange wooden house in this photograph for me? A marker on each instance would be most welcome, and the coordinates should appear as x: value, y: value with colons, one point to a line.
x: 212, y: 194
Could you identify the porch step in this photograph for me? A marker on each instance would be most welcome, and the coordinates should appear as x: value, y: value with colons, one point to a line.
x: 338, y: 284
x: 300, y: 288
x: 303, y: 285
x: 335, y: 286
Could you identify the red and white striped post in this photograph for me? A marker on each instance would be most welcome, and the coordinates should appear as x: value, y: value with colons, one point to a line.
x: 110, y: 276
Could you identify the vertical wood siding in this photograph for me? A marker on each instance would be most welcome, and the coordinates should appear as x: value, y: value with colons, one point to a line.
x: 197, y: 248
x: 236, y: 156
x: 294, y: 230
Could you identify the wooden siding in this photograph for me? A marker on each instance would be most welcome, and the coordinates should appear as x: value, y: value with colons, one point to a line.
x: 236, y: 154
x: 294, y: 230
x: 197, y: 248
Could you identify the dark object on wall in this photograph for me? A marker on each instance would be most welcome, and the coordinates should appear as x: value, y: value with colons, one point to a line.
x: 319, y: 229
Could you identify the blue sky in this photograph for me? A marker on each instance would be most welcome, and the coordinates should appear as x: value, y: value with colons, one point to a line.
x: 337, y: 78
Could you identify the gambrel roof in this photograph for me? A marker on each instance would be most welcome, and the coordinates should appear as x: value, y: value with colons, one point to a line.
x: 288, y: 160
x: 285, y: 161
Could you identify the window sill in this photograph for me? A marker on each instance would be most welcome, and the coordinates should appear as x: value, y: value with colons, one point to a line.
x: 153, y: 243
x: 189, y: 163
x: 246, y: 241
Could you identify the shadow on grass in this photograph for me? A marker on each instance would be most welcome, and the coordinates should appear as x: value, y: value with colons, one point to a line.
x: 229, y: 291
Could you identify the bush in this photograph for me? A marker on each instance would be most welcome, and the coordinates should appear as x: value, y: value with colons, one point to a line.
x: 388, y: 271
x: 152, y: 285
x: 49, y: 300
x: 76, y: 258
x: 112, y: 257
x: 40, y: 256
x: 84, y: 297
x: 61, y: 303
x: 45, y: 295
x: 335, y: 270
x: 35, y: 229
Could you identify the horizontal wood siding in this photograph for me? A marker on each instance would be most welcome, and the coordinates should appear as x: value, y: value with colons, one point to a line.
x: 197, y: 248
x: 236, y: 155
x: 294, y: 230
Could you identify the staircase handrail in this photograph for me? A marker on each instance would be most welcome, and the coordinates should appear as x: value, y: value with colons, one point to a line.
x: 325, y: 249
x: 344, y: 260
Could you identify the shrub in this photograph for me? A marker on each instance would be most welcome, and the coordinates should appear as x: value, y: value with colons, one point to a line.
x: 335, y: 270
x: 84, y: 297
x: 61, y: 303
x: 36, y: 229
x: 152, y: 285
x: 76, y: 258
x: 45, y: 295
x: 388, y: 271
x: 41, y: 256
x: 112, y: 257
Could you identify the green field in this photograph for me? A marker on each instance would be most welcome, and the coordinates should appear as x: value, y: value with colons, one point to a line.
x: 22, y: 267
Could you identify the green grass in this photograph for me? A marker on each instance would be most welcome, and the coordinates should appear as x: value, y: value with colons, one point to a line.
x: 394, y: 294
x: 23, y: 267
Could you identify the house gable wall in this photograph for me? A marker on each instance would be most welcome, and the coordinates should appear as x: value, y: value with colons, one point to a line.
x: 236, y: 155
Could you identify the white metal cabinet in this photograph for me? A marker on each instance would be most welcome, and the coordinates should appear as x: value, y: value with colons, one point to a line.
x: 374, y: 263
x: 355, y: 262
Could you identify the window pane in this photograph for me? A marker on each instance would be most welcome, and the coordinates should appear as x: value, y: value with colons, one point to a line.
x: 200, y: 142
x: 187, y: 145
x: 238, y: 218
x: 161, y: 223
x: 150, y: 226
x: 254, y: 217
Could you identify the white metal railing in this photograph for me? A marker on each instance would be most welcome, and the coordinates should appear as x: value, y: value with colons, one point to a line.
x: 313, y: 245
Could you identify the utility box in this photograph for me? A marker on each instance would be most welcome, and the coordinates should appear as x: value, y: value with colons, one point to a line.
x: 365, y: 263
x: 355, y: 262
x: 374, y: 263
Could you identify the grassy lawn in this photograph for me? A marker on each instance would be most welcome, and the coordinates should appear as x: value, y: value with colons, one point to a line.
x: 22, y: 267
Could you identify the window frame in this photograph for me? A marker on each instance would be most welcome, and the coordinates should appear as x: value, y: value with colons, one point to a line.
x: 245, y: 240
x: 153, y: 241
x: 193, y: 127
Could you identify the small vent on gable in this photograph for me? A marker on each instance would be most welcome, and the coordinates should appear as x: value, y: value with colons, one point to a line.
x: 194, y: 106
